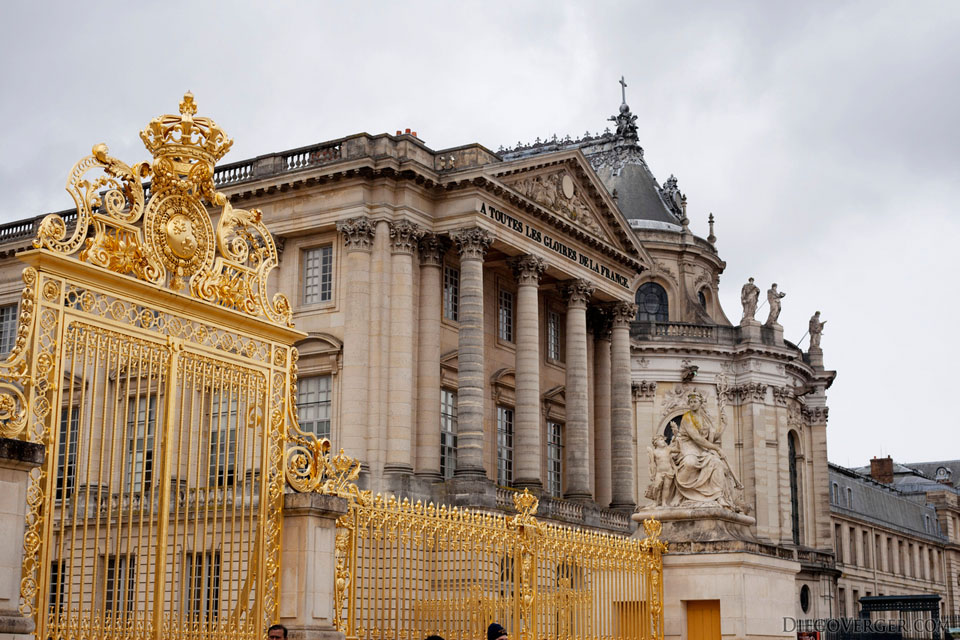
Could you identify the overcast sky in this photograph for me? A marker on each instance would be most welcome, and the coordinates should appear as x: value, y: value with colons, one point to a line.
x: 823, y: 136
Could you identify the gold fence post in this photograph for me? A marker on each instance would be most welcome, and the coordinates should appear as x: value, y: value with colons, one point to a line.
x: 653, y: 550
x: 174, y: 345
x: 528, y: 534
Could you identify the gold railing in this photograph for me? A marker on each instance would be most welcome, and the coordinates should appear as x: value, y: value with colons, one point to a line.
x: 153, y: 368
x: 409, y: 570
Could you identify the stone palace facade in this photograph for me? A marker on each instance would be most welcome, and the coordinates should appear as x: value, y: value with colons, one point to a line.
x: 542, y: 317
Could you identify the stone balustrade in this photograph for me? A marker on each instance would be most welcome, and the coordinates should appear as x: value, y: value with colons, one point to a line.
x: 573, y: 512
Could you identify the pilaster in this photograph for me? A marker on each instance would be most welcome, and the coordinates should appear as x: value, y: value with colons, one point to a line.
x: 308, y: 565
x: 404, y: 237
x: 17, y: 458
x: 432, y: 249
x: 358, y: 235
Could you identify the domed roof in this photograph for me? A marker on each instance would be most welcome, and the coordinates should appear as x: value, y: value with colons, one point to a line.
x: 617, y: 157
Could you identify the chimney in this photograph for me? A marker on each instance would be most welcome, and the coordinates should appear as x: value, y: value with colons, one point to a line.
x: 881, y: 469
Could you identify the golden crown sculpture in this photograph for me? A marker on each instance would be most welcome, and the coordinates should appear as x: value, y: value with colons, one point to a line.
x: 175, y: 244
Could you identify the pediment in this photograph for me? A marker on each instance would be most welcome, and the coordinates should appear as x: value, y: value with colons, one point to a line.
x: 565, y: 185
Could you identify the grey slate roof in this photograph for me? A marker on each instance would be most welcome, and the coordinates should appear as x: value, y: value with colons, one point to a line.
x: 619, y: 162
x: 862, y: 497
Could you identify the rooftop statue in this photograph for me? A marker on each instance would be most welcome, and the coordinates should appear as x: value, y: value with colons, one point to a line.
x: 749, y: 295
x: 773, y: 297
x: 816, y: 329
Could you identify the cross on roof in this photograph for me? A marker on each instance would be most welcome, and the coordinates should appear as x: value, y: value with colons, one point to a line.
x: 623, y: 89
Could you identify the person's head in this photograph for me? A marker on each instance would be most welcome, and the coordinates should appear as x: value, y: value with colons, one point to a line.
x: 495, y: 632
x: 750, y: 280
x: 659, y: 441
x: 277, y: 632
x: 695, y: 400
x: 434, y: 638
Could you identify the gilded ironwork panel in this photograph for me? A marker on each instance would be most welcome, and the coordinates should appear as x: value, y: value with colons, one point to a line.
x: 157, y: 374
x: 410, y: 570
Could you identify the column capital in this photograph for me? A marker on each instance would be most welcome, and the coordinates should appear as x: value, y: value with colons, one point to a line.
x: 472, y: 242
x: 622, y: 313
x: 432, y: 248
x: 404, y: 236
x: 357, y: 233
x: 598, y: 322
x: 577, y: 293
x: 528, y: 269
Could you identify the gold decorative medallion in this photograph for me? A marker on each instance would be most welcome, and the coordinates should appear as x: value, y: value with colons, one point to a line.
x: 180, y: 232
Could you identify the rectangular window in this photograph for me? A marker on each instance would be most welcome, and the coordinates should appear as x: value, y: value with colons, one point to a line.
x: 505, y: 316
x: 838, y: 540
x: 67, y: 451
x: 202, y: 586
x: 58, y: 585
x: 448, y: 433
x: 554, y: 459
x: 853, y: 546
x: 314, y: 399
x: 504, y: 446
x: 8, y: 328
x: 141, y: 423
x: 842, y: 597
x: 224, y: 416
x: 865, y: 537
x: 318, y: 275
x: 451, y: 293
x: 553, y: 336
x: 121, y: 583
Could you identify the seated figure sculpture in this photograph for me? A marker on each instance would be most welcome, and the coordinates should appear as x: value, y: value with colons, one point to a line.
x: 700, y: 475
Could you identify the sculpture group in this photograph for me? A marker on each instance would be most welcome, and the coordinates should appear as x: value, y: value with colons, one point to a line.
x: 692, y: 470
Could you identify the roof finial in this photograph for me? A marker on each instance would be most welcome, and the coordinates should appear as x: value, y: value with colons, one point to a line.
x: 623, y: 90
x: 711, y: 238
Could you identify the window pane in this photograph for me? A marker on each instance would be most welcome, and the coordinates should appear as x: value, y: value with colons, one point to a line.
x: 553, y: 335
x: 67, y: 451
x: 652, y: 303
x: 224, y: 417
x: 318, y: 275
x: 554, y: 459
x: 8, y: 328
x: 141, y: 420
x: 504, y: 446
x: 448, y: 433
x: 451, y: 294
x: 314, y: 403
x: 505, y: 323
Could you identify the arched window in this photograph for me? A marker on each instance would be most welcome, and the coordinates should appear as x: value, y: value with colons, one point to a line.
x: 794, y: 488
x: 702, y: 299
x: 652, y: 303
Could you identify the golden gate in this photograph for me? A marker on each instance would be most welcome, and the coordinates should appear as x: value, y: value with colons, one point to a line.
x: 157, y: 374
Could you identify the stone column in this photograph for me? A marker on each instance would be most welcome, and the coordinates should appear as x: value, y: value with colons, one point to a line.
x: 623, y: 489
x: 308, y: 565
x: 358, y: 234
x: 472, y: 243
x: 528, y: 270
x: 404, y: 237
x: 577, y: 445
x: 17, y: 458
x: 428, y: 357
x: 602, y: 388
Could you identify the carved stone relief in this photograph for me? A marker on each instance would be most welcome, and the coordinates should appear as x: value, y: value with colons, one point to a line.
x: 644, y: 390
x: 558, y: 192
